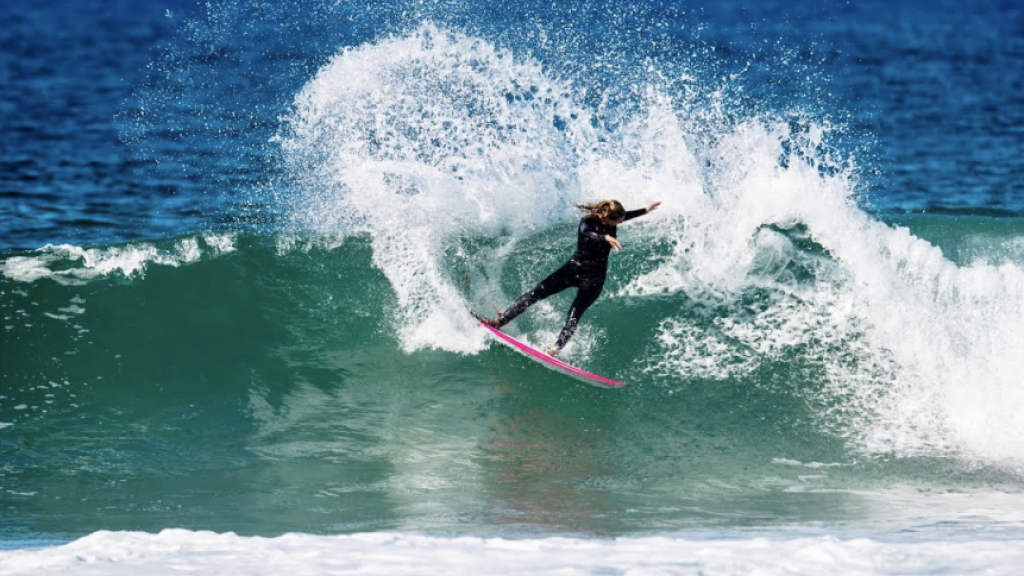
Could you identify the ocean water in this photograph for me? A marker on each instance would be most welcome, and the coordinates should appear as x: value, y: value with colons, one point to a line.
x: 240, y: 243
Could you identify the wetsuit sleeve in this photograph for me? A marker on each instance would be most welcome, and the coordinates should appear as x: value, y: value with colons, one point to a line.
x: 634, y: 213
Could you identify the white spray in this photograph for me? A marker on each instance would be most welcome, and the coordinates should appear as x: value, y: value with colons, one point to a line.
x: 423, y: 139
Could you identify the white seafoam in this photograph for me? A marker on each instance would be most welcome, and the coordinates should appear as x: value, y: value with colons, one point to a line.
x: 173, y: 552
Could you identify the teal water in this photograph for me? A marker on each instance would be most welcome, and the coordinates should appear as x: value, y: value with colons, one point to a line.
x: 258, y: 384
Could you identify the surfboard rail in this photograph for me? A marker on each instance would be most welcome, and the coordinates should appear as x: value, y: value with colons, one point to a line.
x: 551, y: 362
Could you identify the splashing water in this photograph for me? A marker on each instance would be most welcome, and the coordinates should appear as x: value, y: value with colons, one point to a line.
x: 423, y: 140
x: 420, y: 139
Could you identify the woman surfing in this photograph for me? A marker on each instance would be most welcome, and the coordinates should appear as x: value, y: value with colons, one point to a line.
x: 586, y: 269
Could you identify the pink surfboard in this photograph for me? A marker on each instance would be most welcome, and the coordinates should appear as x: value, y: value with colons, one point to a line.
x: 552, y: 362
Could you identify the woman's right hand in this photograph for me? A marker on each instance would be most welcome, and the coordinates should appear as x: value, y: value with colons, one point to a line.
x: 613, y: 241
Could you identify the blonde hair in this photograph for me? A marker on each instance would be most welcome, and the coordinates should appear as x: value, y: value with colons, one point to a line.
x: 611, y: 209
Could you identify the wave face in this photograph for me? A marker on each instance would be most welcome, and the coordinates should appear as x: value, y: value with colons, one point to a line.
x: 259, y: 383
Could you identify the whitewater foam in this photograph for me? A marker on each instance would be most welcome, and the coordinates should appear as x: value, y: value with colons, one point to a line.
x: 935, y: 369
x: 177, y: 551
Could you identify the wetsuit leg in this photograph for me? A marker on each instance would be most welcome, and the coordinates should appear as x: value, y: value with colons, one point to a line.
x: 559, y: 280
x: 589, y: 290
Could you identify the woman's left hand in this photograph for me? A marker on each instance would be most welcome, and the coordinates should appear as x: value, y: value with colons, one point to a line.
x: 653, y: 206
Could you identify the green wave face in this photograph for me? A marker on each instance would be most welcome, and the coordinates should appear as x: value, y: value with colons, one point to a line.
x: 264, y: 384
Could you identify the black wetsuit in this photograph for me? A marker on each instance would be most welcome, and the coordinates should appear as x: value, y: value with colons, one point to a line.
x: 586, y: 270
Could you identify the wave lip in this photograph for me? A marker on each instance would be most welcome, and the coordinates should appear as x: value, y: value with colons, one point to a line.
x: 70, y: 265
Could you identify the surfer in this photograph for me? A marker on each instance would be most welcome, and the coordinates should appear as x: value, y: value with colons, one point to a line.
x: 586, y: 269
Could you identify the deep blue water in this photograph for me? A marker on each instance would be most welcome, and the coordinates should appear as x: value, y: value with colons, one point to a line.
x: 123, y: 120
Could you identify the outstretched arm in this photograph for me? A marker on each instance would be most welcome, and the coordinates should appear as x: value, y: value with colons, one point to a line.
x: 640, y: 212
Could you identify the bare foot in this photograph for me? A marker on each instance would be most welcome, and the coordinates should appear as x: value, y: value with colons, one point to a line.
x: 489, y: 322
x: 553, y: 352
